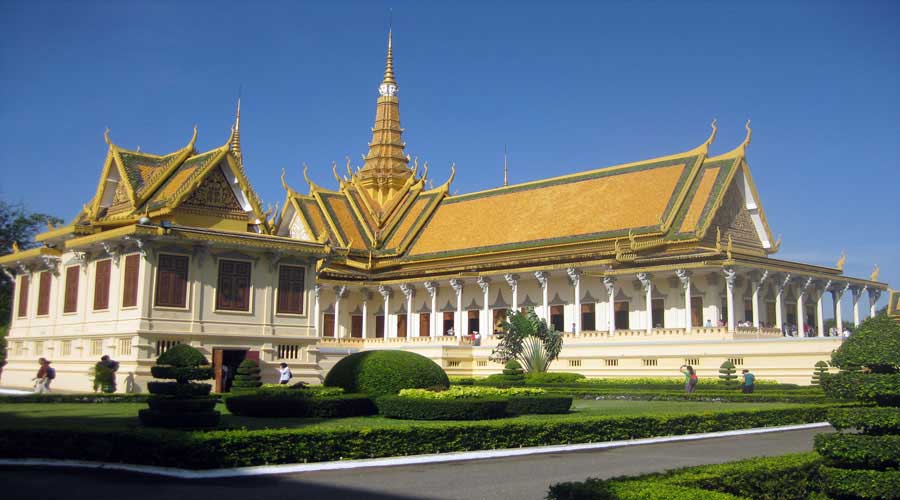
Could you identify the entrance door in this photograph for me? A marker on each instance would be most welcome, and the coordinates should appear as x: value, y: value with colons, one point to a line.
x: 557, y: 320
x: 448, y: 323
x: 697, y: 311
x: 588, y: 318
x: 356, y: 326
x: 328, y: 325
x: 424, y: 324
x: 621, y: 317
x: 401, y: 325
x: 230, y: 358
x: 379, y: 327
x: 217, y: 368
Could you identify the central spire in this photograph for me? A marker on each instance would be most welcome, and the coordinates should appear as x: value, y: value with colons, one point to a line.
x: 385, y: 170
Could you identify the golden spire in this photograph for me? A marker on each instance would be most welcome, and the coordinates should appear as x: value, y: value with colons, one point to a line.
x: 385, y: 168
x: 236, y: 133
x: 505, y: 167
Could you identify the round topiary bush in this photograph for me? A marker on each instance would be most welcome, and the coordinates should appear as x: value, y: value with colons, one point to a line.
x: 821, y: 368
x: 386, y: 372
x: 182, y: 356
x: 727, y: 373
x: 247, y: 376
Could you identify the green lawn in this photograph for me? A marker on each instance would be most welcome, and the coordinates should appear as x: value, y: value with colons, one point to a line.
x: 123, y: 416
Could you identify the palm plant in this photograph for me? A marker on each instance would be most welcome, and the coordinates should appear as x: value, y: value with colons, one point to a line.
x: 528, y: 339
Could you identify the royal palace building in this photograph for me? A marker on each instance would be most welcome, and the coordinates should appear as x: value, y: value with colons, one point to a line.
x: 646, y: 266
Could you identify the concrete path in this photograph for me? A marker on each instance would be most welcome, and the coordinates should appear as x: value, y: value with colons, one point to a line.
x: 517, y: 478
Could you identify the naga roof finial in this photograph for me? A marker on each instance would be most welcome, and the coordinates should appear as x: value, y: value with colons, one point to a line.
x: 235, y: 143
x: 193, y: 138
x: 749, y: 135
x: 106, y: 136
x: 712, y: 135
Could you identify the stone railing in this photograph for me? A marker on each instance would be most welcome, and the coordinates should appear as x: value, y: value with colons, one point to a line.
x: 358, y: 342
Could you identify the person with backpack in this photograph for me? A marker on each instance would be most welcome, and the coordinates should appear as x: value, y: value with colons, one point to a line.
x: 285, y: 374
x: 690, y: 378
x: 45, y: 375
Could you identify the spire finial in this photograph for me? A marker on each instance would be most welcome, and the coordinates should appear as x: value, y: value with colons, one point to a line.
x: 749, y: 135
x: 388, y: 85
x: 106, y: 136
x: 712, y: 135
x: 236, y: 131
x: 505, y: 167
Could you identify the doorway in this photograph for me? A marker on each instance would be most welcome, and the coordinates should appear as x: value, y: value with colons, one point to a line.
x: 230, y: 358
x: 556, y: 319
x: 401, y: 325
x: 424, y: 324
x: 472, y: 322
x: 448, y: 324
x: 356, y: 322
x: 329, y: 325
x: 697, y: 311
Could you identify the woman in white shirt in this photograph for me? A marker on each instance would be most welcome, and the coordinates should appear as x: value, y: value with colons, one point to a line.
x: 286, y: 374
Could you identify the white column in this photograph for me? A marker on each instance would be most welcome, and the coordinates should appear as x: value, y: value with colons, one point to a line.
x: 575, y: 278
x: 647, y: 285
x: 837, y: 294
x: 339, y: 293
x: 386, y: 292
x: 730, y: 276
x: 317, y: 290
x: 543, y: 278
x: 457, y: 285
x: 685, y: 277
x: 610, y: 283
x: 409, y: 291
x: 820, y: 315
x: 874, y: 295
x: 857, y: 293
x: 486, y: 323
x: 432, y: 288
x: 513, y: 280
x: 779, y: 302
x: 366, y: 296
x: 802, y: 288
x: 757, y: 286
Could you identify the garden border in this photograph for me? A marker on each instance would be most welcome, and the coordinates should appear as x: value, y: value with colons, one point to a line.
x: 264, y: 470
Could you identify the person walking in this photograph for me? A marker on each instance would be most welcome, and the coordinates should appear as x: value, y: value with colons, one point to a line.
x: 749, y: 381
x: 690, y: 378
x: 285, y: 374
x: 44, y: 376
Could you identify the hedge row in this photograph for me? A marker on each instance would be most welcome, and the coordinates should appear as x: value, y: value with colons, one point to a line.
x: 875, y: 421
x: 880, y: 388
x: 75, y: 398
x: 849, y: 483
x: 789, y: 477
x: 728, y: 396
x: 859, y: 451
x: 441, y: 409
x: 298, y: 405
x: 236, y: 448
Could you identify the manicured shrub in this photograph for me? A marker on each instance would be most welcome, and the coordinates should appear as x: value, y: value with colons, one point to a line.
x: 180, y: 403
x: 240, y: 448
x: 513, y: 367
x: 247, y: 376
x: 75, y: 398
x: 182, y: 355
x: 860, y: 465
x: 473, y: 392
x: 790, y: 477
x: 553, y: 378
x: 407, y: 408
x: 386, y: 372
x: 820, y: 369
x: 462, y: 381
x: 299, y: 404
x: 539, y: 405
x: 727, y: 373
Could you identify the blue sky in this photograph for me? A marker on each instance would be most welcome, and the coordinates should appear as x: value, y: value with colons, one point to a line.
x: 567, y: 86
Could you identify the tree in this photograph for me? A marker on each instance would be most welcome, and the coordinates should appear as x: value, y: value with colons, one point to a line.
x: 17, y: 226
x: 528, y: 339
x: 727, y: 372
x: 821, y: 367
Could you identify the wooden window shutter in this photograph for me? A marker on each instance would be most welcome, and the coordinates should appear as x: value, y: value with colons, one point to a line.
x: 43, y: 305
x: 171, y: 281
x: 233, y: 292
x: 130, y: 282
x: 290, y: 290
x: 101, y: 284
x: 23, y: 296
x: 70, y: 303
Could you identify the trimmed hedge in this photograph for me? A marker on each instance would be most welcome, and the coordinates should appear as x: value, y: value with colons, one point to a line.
x: 858, y: 451
x: 539, y: 405
x: 386, y: 372
x: 247, y: 375
x: 441, y: 409
x: 176, y: 389
x: 880, y: 388
x: 553, y: 378
x: 851, y: 483
x: 715, y: 396
x: 181, y: 420
x: 238, y: 448
x: 75, y: 398
x: 268, y: 404
x: 182, y: 373
x: 876, y: 421
x: 789, y: 477
x: 182, y: 355
x: 177, y: 405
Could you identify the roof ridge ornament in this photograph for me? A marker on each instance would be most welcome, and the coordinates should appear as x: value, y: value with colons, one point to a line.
x: 712, y: 135
x: 106, y: 136
x: 875, y: 272
x: 840, y: 263
x: 748, y: 136
x: 193, y: 140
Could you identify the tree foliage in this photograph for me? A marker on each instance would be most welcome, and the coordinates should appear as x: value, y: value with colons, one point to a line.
x: 874, y: 345
x: 528, y: 339
x: 727, y: 373
x: 19, y: 226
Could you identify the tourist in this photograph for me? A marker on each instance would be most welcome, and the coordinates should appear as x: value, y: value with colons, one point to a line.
x: 690, y: 378
x: 109, y: 363
x: 285, y: 374
x: 708, y: 324
x: 749, y: 381
x: 45, y: 374
x: 226, y: 378
x: 573, y: 329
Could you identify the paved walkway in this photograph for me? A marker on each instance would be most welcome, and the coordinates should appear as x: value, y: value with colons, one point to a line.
x: 517, y: 478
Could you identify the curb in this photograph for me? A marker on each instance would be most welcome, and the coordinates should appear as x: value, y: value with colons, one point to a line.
x: 264, y: 470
